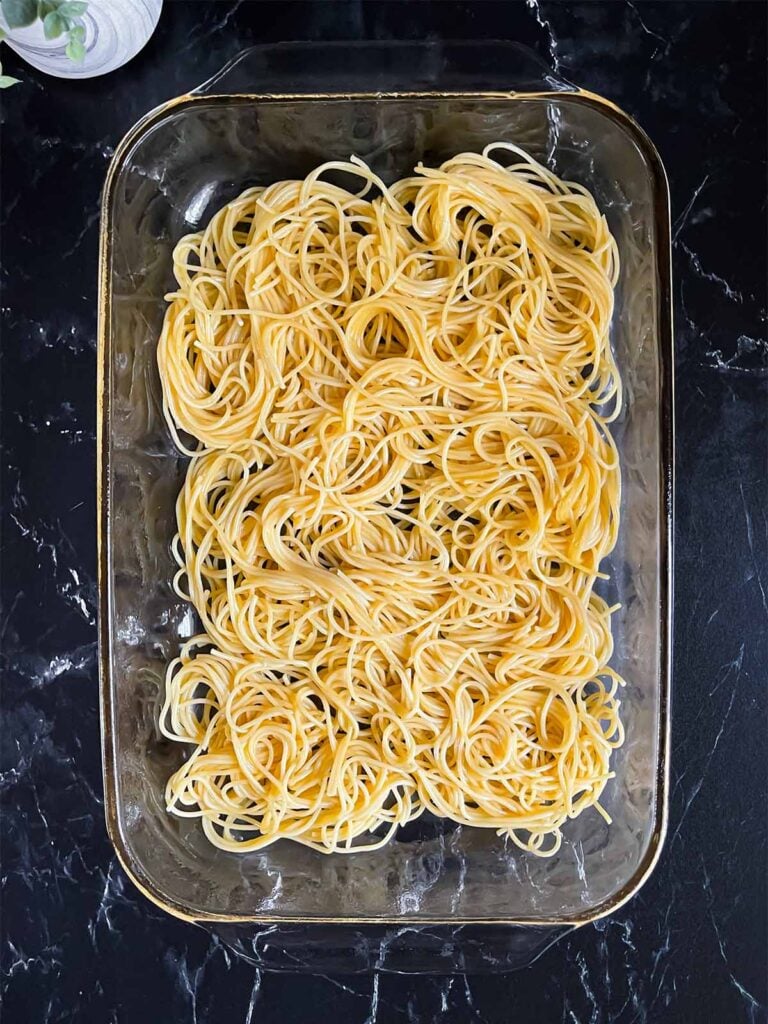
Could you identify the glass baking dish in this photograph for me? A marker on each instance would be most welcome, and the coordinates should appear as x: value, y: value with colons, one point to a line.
x: 276, y: 112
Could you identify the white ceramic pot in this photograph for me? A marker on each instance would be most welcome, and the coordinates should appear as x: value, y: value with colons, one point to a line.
x: 115, y: 31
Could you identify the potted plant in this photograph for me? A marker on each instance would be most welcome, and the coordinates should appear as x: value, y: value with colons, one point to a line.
x: 76, y: 38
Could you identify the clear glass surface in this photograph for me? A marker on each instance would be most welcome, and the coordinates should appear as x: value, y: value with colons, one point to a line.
x: 169, y: 176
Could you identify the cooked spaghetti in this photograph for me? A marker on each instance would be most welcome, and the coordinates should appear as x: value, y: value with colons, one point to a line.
x: 401, y: 487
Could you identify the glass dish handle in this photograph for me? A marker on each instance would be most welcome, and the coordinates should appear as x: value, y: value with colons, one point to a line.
x: 408, y: 948
x: 307, y: 68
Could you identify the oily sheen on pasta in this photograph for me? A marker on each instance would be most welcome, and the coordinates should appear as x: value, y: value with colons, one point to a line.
x: 401, y: 487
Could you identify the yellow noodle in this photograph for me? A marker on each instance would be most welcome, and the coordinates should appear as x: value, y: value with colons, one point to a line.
x: 401, y: 490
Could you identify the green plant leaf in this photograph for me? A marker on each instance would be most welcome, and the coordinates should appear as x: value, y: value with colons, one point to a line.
x: 7, y: 80
x: 19, y: 13
x: 77, y: 32
x: 2, y: 35
x: 44, y: 8
x: 54, y: 25
x: 75, y: 51
x: 73, y: 8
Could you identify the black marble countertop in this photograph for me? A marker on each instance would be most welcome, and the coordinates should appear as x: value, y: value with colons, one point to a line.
x: 81, y: 945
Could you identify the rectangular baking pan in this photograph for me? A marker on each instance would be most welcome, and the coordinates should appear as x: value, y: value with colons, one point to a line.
x: 276, y: 112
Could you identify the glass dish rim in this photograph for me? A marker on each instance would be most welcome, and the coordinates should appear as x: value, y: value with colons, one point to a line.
x: 662, y: 219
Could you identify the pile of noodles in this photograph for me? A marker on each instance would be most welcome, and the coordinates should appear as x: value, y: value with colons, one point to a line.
x: 402, y: 488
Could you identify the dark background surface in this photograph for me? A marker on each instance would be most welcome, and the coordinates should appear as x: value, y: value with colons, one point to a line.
x: 80, y: 944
